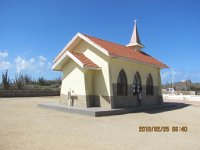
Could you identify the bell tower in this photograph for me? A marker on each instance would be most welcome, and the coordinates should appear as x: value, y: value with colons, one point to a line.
x: 135, y: 42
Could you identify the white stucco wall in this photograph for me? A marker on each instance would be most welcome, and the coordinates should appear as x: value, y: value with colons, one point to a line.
x: 89, y: 82
x: 73, y: 78
x: 101, y: 84
x: 130, y: 68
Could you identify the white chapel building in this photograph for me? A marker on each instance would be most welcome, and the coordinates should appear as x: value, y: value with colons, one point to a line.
x: 99, y: 73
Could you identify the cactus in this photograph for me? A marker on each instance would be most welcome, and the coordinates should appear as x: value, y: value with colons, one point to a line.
x: 5, y: 80
x: 19, y: 81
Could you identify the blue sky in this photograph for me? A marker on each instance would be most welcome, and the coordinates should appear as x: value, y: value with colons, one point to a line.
x: 33, y: 32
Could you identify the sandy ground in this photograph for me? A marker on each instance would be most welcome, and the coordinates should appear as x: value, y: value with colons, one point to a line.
x: 25, y: 126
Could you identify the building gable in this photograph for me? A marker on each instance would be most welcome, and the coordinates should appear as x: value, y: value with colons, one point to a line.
x: 79, y: 58
x: 75, y: 40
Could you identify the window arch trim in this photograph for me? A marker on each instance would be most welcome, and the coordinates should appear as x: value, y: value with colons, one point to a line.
x: 122, y: 87
x: 137, y: 83
x: 149, y: 85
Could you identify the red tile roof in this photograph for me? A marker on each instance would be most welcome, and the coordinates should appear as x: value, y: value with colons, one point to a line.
x: 117, y: 50
x: 86, y: 61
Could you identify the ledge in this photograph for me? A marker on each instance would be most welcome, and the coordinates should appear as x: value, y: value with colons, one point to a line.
x: 98, y: 112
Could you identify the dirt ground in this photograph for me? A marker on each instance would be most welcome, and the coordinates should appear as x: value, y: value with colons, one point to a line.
x: 25, y: 126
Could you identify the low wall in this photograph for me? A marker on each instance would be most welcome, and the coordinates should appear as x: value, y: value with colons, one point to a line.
x: 28, y: 93
x: 181, y: 93
x: 186, y: 92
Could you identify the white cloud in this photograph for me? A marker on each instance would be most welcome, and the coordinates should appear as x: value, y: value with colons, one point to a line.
x: 23, y: 64
x: 31, y: 65
x: 32, y: 60
x: 5, y: 64
x: 175, y: 75
x: 42, y: 64
x: 3, y: 54
x: 171, y: 76
x: 49, y: 64
x: 38, y: 64
x: 166, y: 74
x: 42, y: 58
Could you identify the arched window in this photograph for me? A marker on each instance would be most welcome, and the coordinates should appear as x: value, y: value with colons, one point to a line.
x: 136, y: 83
x: 122, y: 83
x: 149, y: 85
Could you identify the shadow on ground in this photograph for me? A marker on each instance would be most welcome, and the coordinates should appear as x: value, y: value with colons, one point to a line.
x: 171, y: 106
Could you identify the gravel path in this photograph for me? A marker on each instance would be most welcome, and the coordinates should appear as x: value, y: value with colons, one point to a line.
x: 25, y: 126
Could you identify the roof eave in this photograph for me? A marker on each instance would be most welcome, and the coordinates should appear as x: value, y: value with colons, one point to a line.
x: 123, y: 58
x: 79, y: 35
x: 94, y: 68
x: 61, y: 60
x: 58, y: 62
x: 56, y: 66
x: 164, y: 67
x: 66, y: 47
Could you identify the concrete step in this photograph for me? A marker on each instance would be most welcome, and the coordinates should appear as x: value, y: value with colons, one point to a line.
x: 98, y: 112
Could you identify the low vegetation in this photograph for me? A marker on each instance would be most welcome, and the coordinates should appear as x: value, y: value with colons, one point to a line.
x: 26, y: 82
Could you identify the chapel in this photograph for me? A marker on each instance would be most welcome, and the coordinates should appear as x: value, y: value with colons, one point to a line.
x: 100, y: 73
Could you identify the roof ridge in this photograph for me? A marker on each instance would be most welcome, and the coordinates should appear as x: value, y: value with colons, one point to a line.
x: 107, y: 41
x: 125, y: 51
x: 142, y: 52
x: 116, y: 50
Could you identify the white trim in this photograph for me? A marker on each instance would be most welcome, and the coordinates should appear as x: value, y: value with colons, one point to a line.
x: 94, y: 44
x: 67, y: 53
x: 92, y: 68
x: 84, y: 38
x: 75, y: 59
x: 58, y: 61
x: 66, y: 47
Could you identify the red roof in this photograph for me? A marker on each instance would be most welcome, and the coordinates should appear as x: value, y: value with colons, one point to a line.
x: 86, y: 61
x: 117, y: 50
